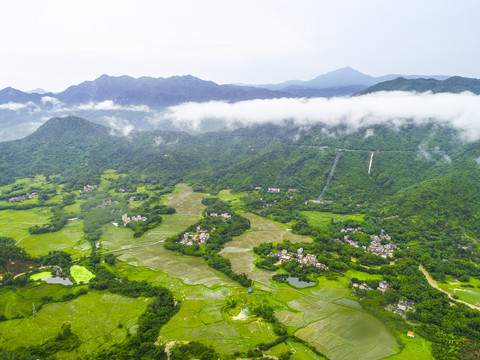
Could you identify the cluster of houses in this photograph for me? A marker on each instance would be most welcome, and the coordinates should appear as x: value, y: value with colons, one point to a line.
x: 402, y: 306
x: 299, y: 256
x: 322, y: 202
x: 200, y: 238
x: 274, y: 190
x: 126, y: 219
x: 376, y: 247
x: 22, y: 198
x: 88, y: 188
x: 382, y: 286
x: 122, y: 190
x: 224, y: 216
x: 107, y: 203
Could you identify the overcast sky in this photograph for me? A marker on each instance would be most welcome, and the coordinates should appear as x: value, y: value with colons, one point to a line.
x: 56, y: 43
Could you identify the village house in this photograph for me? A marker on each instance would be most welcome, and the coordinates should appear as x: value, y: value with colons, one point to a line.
x: 106, y: 203
x: 383, y: 286
x: 299, y: 256
x: 88, y: 188
x: 402, y: 306
x: 126, y: 219
x: 201, y: 238
x: 272, y: 190
x: 22, y: 198
x: 365, y: 286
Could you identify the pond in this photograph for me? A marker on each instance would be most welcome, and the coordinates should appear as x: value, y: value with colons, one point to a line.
x: 59, y: 280
x: 47, y: 276
x: 294, y: 281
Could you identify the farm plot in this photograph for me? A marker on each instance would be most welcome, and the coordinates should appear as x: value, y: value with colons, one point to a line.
x: 239, y: 251
x: 69, y: 239
x: 339, y: 331
x: 190, y: 270
x: 188, y: 208
x: 15, y: 223
x: 320, y: 218
x: 100, y: 313
x: 19, y: 301
x: 203, y: 321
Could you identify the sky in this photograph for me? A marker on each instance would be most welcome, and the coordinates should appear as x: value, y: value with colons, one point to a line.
x: 53, y: 44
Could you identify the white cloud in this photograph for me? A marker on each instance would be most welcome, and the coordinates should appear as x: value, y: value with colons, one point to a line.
x: 110, y: 105
x: 50, y: 100
x: 461, y: 111
x: 18, y: 106
x: 368, y: 133
x: 119, y: 126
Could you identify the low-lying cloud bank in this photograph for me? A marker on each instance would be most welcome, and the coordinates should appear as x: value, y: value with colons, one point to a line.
x: 460, y: 111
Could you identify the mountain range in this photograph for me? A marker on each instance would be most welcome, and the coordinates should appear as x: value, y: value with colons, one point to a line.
x: 139, y: 103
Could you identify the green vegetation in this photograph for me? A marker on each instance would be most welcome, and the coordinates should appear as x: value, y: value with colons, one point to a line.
x: 316, y: 218
x: 81, y: 274
x: 422, y: 191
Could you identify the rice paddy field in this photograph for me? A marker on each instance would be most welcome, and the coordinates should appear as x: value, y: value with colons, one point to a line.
x: 323, y: 314
x: 15, y: 223
x: 240, y: 250
x: 69, y: 239
x: 100, y: 314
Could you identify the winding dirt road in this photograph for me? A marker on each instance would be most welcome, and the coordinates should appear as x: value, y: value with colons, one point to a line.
x: 433, y: 283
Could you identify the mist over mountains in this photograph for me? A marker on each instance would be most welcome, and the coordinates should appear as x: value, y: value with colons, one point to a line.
x: 190, y: 104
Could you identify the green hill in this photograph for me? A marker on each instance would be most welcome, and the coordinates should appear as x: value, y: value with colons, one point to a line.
x: 454, y: 84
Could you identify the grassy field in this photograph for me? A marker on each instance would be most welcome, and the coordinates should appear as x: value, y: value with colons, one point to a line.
x: 43, y: 276
x: 239, y: 251
x: 81, y: 274
x: 37, y: 181
x: 299, y: 351
x: 233, y: 199
x: 20, y: 301
x: 69, y: 239
x: 100, y: 314
x: 15, y: 224
x: 415, y: 348
x: 317, y: 218
x: 470, y: 295
x: 362, y: 276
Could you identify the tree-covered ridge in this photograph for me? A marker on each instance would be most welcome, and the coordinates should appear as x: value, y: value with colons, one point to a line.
x: 454, y: 84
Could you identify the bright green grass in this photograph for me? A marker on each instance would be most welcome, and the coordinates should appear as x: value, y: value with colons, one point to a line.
x: 37, y: 181
x: 467, y: 294
x: 415, y: 348
x: 81, y: 274
x: 317, y: 218
x: 94, y: 318
x: 15, y: 223
x: 41, y: 276
x: 69, y: 239
x: 362, y: 276
x: 299, y: 351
